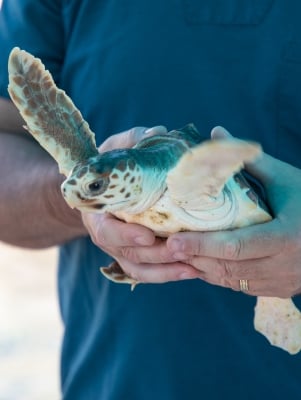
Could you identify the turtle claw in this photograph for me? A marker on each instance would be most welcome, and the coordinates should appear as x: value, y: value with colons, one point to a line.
x: 116, y: 274
x: 280, y: 322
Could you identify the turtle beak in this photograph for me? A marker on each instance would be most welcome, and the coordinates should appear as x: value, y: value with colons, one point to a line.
x: 75, y: 199
x: 72, y: 197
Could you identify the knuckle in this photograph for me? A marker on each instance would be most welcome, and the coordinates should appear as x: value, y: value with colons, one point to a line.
x: 130, y: 254
x: 232, y: 249
x: 224, y: 270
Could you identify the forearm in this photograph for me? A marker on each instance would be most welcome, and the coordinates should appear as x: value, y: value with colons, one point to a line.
x: 33, y: 212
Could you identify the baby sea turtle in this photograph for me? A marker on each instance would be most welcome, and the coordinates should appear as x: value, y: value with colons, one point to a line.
x: 168, y: 182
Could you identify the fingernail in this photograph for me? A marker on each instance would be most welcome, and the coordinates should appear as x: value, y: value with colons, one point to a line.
x: 219, y: 133
x: 159, y: 130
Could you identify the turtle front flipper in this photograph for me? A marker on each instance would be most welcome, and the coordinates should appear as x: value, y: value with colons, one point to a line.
x: 202, y: 172
x: 50, y: 115
x: 116, y: 274
x: 279, y: 321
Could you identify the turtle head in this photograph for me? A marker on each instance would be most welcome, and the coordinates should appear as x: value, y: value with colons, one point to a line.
x: 110, y: 181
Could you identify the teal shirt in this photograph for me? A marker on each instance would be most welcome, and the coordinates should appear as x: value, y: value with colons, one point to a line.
x: 143, y: 63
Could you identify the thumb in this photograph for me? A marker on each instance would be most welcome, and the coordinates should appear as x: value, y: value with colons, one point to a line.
x: 220, y: 133
x: 130, y: 137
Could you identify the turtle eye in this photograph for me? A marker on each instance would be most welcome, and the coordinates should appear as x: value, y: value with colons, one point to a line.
x: 94, y: 187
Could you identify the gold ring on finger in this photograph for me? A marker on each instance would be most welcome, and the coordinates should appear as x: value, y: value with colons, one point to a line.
x: 244, y: 285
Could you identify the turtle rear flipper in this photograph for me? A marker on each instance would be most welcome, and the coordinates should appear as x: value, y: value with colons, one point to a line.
x: 279, y: 321
x: 50, y: 115
x: 201, y: 173
x: 116, y: 274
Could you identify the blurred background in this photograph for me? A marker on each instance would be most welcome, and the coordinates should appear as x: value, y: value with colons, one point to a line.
x: 30, y: 325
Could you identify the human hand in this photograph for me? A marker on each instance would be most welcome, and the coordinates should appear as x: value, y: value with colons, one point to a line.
x: 142, y: 256
x: 267, y: 255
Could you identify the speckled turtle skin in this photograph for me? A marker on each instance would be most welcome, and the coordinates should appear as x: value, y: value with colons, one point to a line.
x: 168, y: 182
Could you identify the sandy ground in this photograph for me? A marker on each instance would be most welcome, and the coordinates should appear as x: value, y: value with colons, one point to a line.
x: 30, y: 326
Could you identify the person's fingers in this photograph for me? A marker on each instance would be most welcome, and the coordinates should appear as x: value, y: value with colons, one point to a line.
x: 106, y: 230
x: 266, y: 287
x: 219, y: 132
x: 155, y: 253
x: 133, y: 242
x: 245, y: 243
x: 236, y: 270
x: 129, y: 138
x: 158, y: 273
